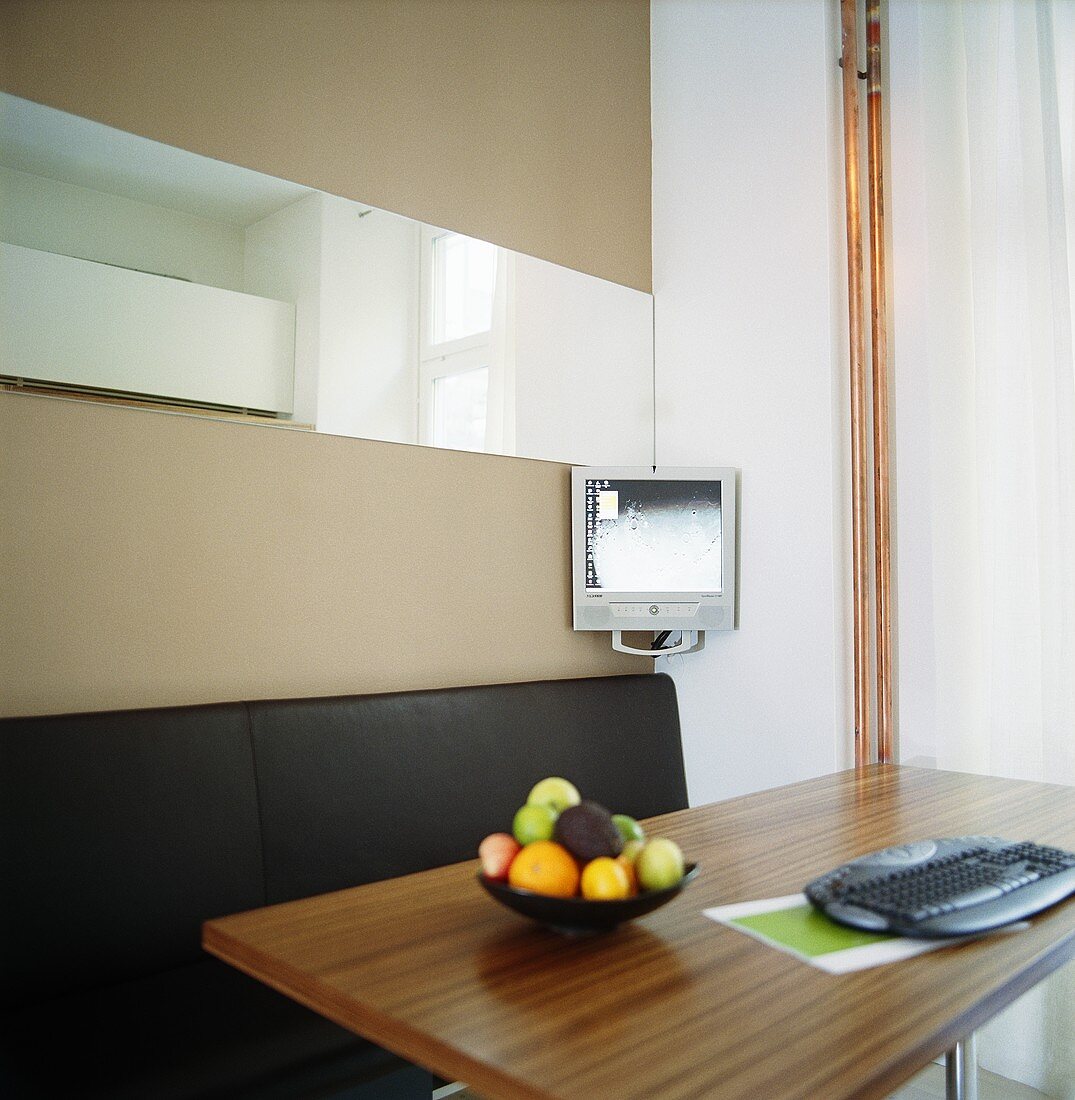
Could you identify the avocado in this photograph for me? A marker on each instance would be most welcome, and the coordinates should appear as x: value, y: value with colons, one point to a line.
x: 587, y: 831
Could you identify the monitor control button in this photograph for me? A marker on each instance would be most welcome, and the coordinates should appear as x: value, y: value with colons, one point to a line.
x: 664, y: 610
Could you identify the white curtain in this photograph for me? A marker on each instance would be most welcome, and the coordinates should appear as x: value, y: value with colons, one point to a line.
x: 982, y: 105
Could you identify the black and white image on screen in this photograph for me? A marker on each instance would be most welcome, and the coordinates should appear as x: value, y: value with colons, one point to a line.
x: 653, y: 536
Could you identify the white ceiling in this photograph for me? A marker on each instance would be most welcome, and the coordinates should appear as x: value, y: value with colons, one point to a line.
x: 47, y: 142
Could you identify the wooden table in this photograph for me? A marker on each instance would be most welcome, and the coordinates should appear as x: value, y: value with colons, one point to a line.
x: 674, y: 1005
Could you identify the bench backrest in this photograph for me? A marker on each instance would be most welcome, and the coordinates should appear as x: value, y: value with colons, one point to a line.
x: 122, y: 832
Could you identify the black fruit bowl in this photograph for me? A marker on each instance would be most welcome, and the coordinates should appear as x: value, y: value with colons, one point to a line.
x: 577, y: 916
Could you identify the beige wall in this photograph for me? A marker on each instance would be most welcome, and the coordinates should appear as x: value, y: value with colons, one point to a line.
x: 525, y: 122
x: 154, y: 559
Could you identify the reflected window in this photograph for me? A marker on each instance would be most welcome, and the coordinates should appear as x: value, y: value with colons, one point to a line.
x: 464, y: 279
x: 462, y: 365
x: 459, y: 410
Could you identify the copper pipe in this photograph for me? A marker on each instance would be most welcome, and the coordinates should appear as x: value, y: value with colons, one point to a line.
x: 879, y: 363
x: 860, y: 579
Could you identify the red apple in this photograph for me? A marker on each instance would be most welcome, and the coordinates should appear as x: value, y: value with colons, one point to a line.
x: 496, y: 852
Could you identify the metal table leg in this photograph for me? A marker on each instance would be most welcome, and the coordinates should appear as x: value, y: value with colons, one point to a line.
x: 961, y: 1070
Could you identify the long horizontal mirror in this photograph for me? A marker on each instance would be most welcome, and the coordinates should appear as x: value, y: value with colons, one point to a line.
x: 140, y: 271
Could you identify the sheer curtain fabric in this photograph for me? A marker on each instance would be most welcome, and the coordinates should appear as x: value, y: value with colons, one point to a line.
x: 982, y: 122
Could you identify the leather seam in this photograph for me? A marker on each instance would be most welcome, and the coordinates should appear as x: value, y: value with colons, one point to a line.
x: 257, y: 803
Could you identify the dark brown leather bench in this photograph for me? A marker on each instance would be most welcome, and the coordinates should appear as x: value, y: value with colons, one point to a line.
x: 124, y: 831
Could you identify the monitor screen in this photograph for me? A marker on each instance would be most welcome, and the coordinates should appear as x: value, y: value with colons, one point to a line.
x: 653, y: 536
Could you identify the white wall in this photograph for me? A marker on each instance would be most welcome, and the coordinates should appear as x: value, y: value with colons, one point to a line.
x: 583, y: 367
x: 747, y: 231
x: 282, y: 260
x: 42, y: 213
x: 368, y: 381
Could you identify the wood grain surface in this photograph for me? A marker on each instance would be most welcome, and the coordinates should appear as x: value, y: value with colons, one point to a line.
x: 673, y: 1005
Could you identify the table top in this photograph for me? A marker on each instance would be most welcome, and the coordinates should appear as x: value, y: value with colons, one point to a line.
x: 672, y: 1005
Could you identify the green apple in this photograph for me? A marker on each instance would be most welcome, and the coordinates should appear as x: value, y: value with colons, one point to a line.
x: 628, y: 827
x: 659, y: 864
x: 533, y: 822
x: 555, y: 792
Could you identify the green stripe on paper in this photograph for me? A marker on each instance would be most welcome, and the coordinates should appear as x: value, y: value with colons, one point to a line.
x: 808, y: 931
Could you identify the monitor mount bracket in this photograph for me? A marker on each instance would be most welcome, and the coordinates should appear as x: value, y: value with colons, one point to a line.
x: 690, y: 641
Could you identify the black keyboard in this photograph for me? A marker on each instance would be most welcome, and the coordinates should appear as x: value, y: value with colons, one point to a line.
x: 951, y: 887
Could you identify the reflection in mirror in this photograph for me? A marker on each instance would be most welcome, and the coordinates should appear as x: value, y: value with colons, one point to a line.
x: 138, y: 270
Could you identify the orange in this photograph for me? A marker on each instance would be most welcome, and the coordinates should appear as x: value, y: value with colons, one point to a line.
x: 632, y: 875
x: 546, y: 868
x: 605, y: 879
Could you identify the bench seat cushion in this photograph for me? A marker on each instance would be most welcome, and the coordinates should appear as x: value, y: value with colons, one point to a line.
x: 121, y: 832
x: 354, y: 790
x: 203, y: 1030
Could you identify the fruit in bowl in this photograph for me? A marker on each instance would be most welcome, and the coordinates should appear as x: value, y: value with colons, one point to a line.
x: 497, y: 852
x: 659, y: 864
x: 555, y: 792
x: 533, y: 822
x: 628, y: 828
x: 605, y: 879
x: 545, y: 867
x: 571, y: 864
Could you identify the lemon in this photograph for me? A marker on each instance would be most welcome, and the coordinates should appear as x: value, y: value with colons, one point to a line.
x: 605, y: 879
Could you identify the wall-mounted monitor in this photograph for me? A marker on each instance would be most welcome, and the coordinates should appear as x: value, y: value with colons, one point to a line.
x: 653, y: 549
